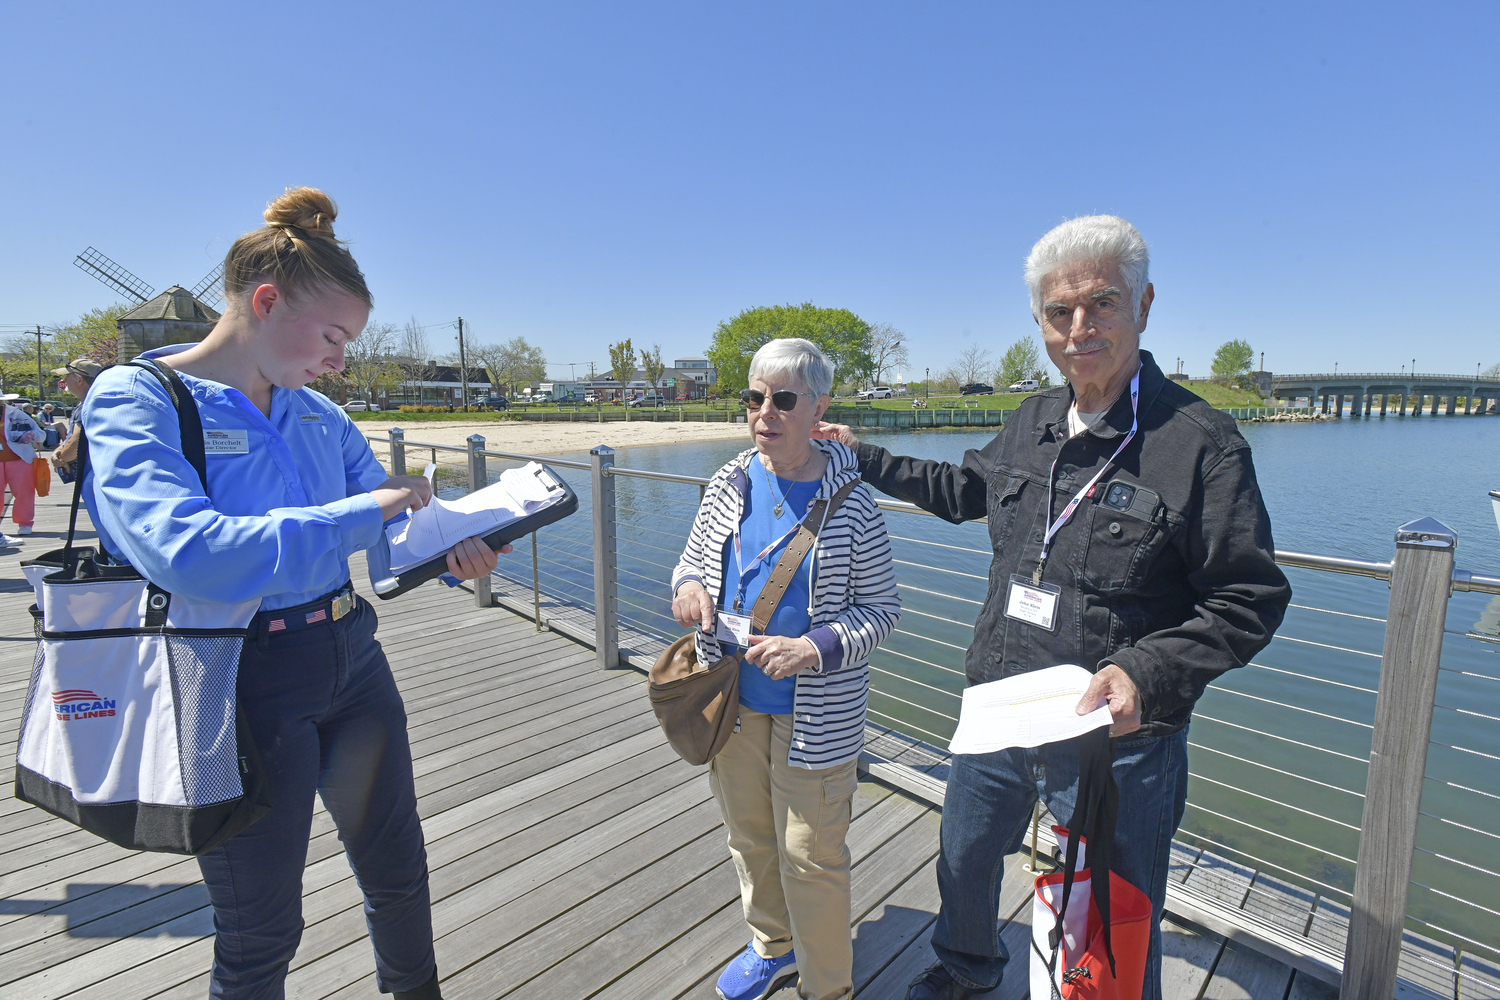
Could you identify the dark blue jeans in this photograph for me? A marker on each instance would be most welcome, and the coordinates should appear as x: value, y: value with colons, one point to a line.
x: 985, y: 815
x: 327, y: 718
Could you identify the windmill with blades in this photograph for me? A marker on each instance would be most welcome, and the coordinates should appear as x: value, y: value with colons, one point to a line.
x: 176, y: 316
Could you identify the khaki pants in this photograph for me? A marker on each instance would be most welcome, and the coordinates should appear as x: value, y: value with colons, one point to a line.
x: 786, y: 832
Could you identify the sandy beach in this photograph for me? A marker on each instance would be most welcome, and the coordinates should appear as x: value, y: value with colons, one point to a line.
x: 540, y: 438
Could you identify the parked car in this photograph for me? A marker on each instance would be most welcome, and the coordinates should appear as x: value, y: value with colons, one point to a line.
x: 493, y: 402
x: 357, y: 405
x: 649, y: 399
x: 589, y: 397
x: 977, y: 389
x: 878, y: 392
x: 1027, y: 385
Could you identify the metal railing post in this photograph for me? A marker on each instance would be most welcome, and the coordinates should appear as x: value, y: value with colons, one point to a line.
x: 398, y: 451
x: 606, y: 596
x: 1421, y: 582
x: 536, y: 587
x: 479, y: 478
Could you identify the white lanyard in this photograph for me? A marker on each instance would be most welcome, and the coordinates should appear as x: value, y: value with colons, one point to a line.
x: 1062, y: 519
x: 765, y: 553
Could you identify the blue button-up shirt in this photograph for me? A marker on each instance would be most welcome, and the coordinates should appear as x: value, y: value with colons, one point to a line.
x: 281, y: 518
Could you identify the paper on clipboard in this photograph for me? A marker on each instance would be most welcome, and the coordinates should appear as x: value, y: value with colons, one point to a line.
x: 442, y: 524
x: 1026, y: 710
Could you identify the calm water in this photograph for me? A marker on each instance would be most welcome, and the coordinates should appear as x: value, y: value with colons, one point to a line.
x: 1301, y: 713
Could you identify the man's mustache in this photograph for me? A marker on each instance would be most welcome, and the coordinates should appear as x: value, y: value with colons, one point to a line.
x: 1092, y: 345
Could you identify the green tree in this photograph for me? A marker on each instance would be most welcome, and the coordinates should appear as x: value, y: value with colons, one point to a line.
x: 843, y: 336
x: 512, y: 363
x: 651, y: 361
x: 622, y: 363
x: 1232, y: 362
x: 94, y: 335
x: 16, y: 374
x: 1021, y: 360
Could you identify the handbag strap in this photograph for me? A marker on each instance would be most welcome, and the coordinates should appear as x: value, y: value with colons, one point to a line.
x: 796, y: 550
x: 1094, y: 816
x: 189, y: 429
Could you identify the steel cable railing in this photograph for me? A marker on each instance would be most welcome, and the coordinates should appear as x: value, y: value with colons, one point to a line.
x: 1282, y: 747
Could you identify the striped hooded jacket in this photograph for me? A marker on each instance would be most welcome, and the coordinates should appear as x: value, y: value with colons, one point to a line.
x: 855, y: 603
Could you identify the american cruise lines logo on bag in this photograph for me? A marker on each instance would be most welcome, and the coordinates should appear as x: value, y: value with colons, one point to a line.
x: 73, y: 705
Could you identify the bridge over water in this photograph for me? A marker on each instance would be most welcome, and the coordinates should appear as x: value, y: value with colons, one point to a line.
x: 1373, y: 391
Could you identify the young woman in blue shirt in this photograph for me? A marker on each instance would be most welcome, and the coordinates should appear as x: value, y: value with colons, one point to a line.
x: 293, y: 491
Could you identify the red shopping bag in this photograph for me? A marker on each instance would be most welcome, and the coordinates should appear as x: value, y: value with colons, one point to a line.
x: 1089, y: 936
x: 1078, y: 966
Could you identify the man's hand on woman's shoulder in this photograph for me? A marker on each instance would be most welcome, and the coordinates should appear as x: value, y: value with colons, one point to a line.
x: 824, y: 431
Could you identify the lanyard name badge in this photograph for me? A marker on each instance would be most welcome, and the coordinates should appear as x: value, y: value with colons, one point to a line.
x: 735, y: 628
x: 1029, y: 599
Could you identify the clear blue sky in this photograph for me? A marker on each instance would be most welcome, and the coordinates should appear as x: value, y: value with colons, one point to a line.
x: 1320, y: 180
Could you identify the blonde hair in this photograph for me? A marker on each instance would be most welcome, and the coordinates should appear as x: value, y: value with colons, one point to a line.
x: 295, y: 250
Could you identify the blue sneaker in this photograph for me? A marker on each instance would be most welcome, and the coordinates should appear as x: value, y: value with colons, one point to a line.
x: 751, y: 977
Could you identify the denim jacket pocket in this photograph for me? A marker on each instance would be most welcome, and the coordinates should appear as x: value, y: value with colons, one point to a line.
x: 1004, y: 501
x: 1120, y: 550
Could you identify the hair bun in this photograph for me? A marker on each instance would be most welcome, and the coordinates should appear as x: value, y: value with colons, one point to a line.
x: 306, y: 208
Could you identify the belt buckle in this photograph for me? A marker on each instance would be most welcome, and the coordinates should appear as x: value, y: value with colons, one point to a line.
x: 342, y: 605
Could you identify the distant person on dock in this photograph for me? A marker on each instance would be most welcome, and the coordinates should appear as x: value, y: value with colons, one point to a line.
x: 18, y: 444
x: 293, y: 491
x: 786, y: 780
x: 76, y: 378
x: 1128, y: 509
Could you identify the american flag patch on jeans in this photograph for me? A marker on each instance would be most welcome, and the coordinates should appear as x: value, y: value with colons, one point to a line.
x: 319, y: 615
x: 276, y: 625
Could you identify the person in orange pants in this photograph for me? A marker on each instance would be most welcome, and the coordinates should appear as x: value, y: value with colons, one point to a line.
x: 16, y: 455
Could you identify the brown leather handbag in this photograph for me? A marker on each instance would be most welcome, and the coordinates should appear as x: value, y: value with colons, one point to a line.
x: 698, y: 706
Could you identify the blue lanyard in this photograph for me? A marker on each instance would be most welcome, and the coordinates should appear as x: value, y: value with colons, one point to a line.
x: 1062, y: 519
x: 765, y: 553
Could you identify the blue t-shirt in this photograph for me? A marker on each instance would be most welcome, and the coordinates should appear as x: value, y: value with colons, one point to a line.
x: 758, y: 528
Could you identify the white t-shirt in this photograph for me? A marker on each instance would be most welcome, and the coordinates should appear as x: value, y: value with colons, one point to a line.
x: 1080, y: 422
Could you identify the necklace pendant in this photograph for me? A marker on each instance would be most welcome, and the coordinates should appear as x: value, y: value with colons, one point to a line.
x: 776, y: 509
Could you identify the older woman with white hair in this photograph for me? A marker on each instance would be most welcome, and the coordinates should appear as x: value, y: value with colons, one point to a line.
x: 786, y: 779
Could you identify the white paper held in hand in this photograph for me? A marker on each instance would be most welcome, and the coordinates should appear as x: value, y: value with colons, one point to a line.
x: 442, y: 524
x: 1026, y: 710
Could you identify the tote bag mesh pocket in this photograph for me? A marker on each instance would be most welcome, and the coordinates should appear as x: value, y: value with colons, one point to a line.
x: 203, y: 672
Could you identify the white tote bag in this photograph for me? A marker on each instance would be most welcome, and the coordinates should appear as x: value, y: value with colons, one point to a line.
x: 131, y: 728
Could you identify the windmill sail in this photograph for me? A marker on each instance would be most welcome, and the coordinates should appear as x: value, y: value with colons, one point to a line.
x: 113, y: 275
x: 210, y: 291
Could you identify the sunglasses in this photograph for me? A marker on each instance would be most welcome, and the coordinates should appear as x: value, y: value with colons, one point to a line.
x: 785, y: 399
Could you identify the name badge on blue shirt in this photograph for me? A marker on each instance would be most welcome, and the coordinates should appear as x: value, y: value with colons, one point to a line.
x: 224, y: 442
x: 312, y: 418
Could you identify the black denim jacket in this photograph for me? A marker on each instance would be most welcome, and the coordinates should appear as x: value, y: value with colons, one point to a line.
x: 1177, y: 587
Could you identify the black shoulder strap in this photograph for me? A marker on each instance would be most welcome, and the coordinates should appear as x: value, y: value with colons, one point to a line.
x: 189, y: 424
x: 189, y: 428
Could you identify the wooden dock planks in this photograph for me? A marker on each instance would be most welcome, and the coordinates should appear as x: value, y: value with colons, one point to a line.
x: 572, y: 854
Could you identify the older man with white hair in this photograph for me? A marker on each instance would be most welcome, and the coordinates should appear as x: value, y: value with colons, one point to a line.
x: 1124, y: 512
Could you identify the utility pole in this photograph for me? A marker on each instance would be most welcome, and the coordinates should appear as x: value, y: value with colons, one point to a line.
x: 463, y: 365
x: 41, y: 387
